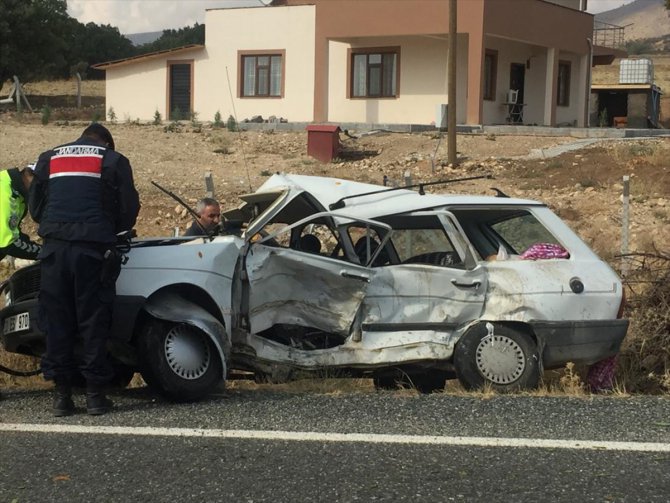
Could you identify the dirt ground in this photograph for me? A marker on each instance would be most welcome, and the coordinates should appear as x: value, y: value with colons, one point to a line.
x: 583, y: 186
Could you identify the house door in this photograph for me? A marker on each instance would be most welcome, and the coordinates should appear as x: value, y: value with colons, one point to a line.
x: 180, y: 91
x: 517, y: 76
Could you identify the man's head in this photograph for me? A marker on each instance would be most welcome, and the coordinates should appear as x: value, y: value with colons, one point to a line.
x: 99, y: 133
x: 209, y: 213
x: 27, y: 175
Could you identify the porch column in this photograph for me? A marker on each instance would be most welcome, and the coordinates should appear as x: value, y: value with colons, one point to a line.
x: 551, y: 87
x: 585, y: 88
x: 475, y: 84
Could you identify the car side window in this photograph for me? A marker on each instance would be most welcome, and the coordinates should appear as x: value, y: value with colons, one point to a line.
x: 366, y: 241
x: 319, y: 239
x: 425, y: 246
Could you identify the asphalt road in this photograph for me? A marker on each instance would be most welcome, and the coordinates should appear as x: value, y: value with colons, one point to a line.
x: 253, y: 446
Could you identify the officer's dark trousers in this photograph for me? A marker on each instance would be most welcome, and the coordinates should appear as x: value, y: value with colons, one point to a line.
x: 75, y: 310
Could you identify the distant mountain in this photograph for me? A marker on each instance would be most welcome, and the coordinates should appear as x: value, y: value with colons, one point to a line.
x: 144, y: 38
x: 642, y: 19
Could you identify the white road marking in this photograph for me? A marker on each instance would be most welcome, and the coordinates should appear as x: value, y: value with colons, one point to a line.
x: 311, y: 436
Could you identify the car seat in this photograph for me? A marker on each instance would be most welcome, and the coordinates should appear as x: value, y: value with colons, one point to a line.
x: 309, y: 243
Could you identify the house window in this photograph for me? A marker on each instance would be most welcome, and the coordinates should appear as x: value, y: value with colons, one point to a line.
x: 262, y: 75
x: 374, y: 73
x: 490, y: 74
x: 563, y: 94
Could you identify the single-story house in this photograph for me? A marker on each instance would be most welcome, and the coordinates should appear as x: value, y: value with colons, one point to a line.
x: 370, y: 61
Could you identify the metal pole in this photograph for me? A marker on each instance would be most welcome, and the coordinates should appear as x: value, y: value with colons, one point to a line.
x: 624, y: 225
x: 451, y: 88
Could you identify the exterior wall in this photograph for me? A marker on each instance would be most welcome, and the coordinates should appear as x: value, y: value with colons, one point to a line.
x: 571, y: 113
x: 422, y: 86
x: 314, y: 35
x: 137, y: 91
x: 289, y: 29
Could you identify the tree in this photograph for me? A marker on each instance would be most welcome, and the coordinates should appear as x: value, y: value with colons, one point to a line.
x: 31, y: 38
x: 92, y: 43
x: 171, y: 39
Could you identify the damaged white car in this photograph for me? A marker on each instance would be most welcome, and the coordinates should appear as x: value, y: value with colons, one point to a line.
x: 359, y: 279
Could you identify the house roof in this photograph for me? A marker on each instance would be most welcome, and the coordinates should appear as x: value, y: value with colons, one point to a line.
x: 148, y: 56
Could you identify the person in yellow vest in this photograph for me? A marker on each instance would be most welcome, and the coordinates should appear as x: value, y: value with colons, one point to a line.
x: 14, y: 185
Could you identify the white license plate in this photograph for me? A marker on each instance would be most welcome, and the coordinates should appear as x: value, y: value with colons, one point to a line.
x: 16, y: 323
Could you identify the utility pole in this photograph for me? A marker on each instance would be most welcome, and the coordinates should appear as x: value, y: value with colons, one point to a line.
x: 451, y: 87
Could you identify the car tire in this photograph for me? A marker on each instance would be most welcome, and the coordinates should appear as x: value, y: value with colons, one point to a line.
x: 508, y: 360
x: 179, y: 360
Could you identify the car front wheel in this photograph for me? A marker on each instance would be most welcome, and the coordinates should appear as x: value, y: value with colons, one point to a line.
x: 179, y: 360
x: 505, y: 358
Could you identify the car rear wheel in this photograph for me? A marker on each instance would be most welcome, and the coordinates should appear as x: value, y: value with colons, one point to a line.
x: 505, y: 358
x: 179, y: 360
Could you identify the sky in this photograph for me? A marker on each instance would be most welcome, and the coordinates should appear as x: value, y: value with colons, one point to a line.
x: 139, y: 16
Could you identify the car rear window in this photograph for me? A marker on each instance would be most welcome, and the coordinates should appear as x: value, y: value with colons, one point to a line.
x: 522, y: 231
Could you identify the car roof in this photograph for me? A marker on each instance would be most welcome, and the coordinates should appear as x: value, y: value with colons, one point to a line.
x: 328, y: 191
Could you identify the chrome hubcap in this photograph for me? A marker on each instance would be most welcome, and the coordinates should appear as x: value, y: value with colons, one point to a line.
x: 500, y: 359
x: 187, y: 352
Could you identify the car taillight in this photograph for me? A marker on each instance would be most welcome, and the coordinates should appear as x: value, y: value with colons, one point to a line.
x: 622, y: 306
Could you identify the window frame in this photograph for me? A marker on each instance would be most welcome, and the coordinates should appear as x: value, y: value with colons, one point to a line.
x: 351, y: 71
x: 563, y: 83
x: 491, y: 79
x: 270, y: 53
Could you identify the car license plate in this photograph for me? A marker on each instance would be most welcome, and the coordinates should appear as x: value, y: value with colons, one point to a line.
x: 16, y: 323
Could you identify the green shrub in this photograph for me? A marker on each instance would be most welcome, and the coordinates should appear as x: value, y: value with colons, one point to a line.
x: 231, y: 124
x: 158, y: 119
x: 46, y: 114
x: 218, y: 123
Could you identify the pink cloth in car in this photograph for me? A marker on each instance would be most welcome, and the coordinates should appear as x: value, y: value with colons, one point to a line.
x: 545, y: 251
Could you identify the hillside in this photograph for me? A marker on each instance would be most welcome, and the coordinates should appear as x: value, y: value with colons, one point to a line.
x: 642, y: 19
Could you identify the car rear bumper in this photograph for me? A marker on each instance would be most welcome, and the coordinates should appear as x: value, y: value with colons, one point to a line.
x: 28, y: 341
x: 32, y: 341
x: 583, y: 342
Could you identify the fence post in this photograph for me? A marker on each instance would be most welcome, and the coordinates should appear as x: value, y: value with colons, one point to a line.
x: 78, y: 90
x: 209, y: 184
x: 19, y: 104
x: 625, y: 225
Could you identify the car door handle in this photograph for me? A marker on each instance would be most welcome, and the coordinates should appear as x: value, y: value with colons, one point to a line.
x: 353, y: 275
x: 474, y: 284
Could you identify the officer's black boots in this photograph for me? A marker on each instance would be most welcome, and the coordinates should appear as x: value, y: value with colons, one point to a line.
x: 96, y: 401
x: 63, y: 404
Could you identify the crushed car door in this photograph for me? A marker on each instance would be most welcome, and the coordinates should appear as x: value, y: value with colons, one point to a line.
x: 289, y: 286
x: 435, y: 284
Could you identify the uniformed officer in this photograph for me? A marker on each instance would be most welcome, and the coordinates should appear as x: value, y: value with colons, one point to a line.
x: 14, y: 184
x: 82, y: 196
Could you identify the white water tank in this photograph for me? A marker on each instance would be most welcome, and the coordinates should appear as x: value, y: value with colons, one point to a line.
x: 636, y: 71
